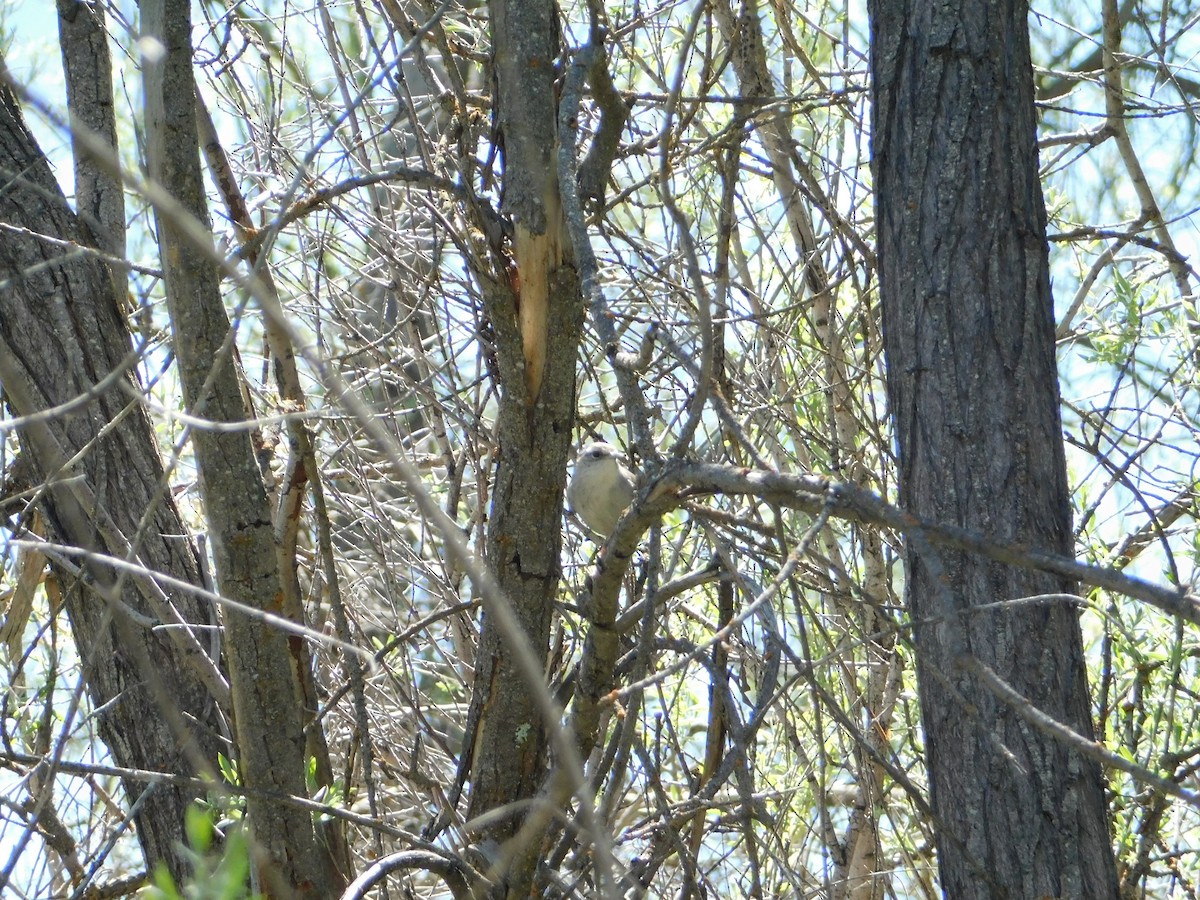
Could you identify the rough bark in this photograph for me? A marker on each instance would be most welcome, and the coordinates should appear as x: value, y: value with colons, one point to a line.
x: 968, y: 333
x: 61, y: 336
x: 269, y: 719
x: 99, y: 198
x: 537, y: 320
x: 523, y: 549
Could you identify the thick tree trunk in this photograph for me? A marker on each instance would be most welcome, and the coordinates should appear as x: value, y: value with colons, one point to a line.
x: 968, y: 332
x: 61, y: 337
x: 524, y: 543
x: 266, y: 665
x: 537, y: 319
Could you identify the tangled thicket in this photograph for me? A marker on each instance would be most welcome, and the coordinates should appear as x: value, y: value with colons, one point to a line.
x: 782, y: 755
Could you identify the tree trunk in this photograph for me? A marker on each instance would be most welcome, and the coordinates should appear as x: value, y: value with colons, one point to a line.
x: 266, y: 665
x: 61, y: 336
x: 537, y: 319
x: 969, y: 338
x: 99, y: 198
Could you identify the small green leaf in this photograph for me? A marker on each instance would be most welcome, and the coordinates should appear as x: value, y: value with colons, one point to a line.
x: 199, y: 828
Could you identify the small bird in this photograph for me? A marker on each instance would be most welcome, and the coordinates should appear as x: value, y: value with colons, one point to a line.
x: 601, y: 488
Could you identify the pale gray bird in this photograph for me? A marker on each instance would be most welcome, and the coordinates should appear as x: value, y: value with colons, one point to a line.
x: 601, y: 488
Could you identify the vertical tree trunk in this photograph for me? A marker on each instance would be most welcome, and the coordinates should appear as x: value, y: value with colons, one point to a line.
x: 99, y: 197
x: 968, y: 333
x: 265, y: 664
x: 62, y: 336
x: 537, y: 319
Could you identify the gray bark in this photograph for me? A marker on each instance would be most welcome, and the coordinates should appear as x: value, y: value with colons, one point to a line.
x: 968, y: 333
x: 62, y: 336
x: 537, y: 326
x: 264, y: 662
x: 99, y: 199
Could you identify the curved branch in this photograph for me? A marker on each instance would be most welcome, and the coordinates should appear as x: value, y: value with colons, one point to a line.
x: 448, y: 869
